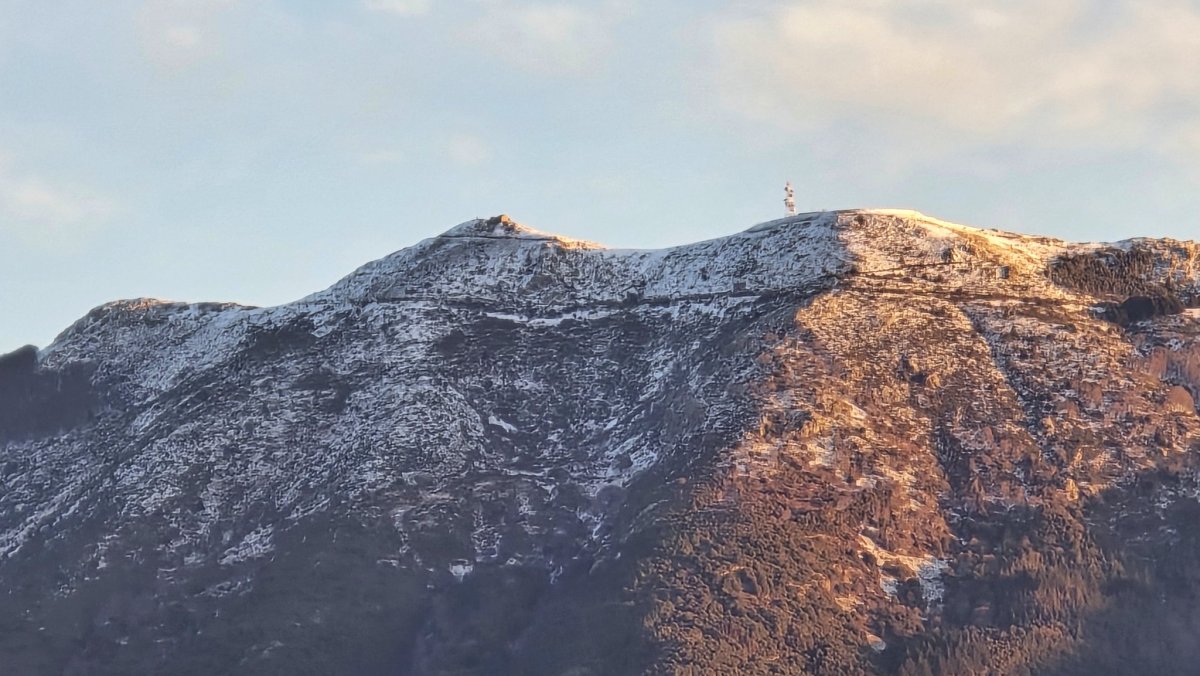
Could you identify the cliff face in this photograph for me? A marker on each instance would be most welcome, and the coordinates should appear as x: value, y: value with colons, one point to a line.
x: 853, y: 442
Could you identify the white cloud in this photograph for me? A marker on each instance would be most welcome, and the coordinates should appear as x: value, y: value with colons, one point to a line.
x: 549, y: 38
x: 400, y: 7
x: 182, y: 37
x: 1119, y: 74
x: 45, y: 213
x: 178, y: 34
x: 468, y: 150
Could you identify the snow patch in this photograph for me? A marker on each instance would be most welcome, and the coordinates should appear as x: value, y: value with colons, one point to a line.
x: 461, y: 568
x: 497, y: 422
x: 928, y: 569
x: 255, y: 545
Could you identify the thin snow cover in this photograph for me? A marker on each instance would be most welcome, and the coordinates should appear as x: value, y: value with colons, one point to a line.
x: 889, y: 585
x: 895, y: 240
x: 255, y: 545
x: 26, y: 511
x: 165, y: 342
x: 930, y: 573
x: 502, y: 262
x: 503, y: 227
x: 555, y: 320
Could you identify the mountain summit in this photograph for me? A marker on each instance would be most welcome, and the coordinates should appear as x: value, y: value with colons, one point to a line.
x: 856, y: 442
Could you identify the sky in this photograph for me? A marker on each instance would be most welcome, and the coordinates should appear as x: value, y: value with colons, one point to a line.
x: 259, y: 150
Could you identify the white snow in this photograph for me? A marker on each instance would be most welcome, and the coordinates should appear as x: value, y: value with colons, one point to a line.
x: 461, y: 569
x: 927, y: 568
x: 497, y: 422
x: 256, y: 544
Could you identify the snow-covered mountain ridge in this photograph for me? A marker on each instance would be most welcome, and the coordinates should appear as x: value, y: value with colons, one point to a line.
x: 546, y: 270
x: 841, y: 416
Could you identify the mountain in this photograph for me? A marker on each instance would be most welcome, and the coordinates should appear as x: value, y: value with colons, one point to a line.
x: 858, y: 442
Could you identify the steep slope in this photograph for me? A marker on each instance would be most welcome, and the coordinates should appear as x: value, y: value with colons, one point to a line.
x: 852, y: 442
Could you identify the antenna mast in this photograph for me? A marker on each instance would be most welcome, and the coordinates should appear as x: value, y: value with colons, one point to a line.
x: 789, y: 199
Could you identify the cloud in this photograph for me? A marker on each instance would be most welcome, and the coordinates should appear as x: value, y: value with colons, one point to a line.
x: 468, y: 150
x: 400, y: 7
x: 182, y: 37
x: 1118, y: 74
x: 45, y: 213
x: 549, y: 38
x: 176, y: 35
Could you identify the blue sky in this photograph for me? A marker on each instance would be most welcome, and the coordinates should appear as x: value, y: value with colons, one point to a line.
x: 258, y: 150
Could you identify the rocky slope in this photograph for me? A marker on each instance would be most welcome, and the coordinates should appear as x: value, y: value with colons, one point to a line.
x: 841, y: 443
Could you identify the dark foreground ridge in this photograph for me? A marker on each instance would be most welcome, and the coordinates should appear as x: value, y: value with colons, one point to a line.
x: 861, y: 442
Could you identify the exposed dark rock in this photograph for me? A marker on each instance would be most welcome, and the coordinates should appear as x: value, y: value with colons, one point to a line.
x: 1141, y: 308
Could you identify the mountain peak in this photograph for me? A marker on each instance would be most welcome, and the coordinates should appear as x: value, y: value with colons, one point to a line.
x: 504, y: 227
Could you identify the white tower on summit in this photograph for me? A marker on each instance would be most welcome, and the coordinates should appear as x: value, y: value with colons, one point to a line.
x: 789, y: 199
